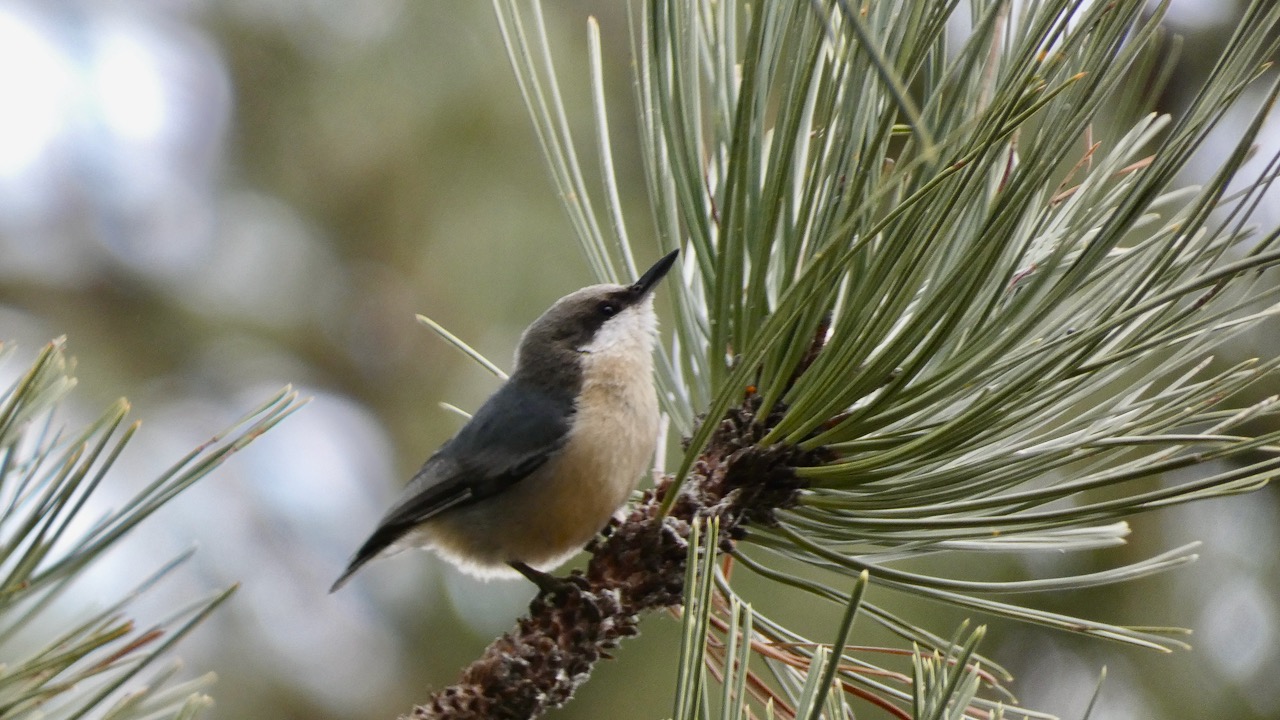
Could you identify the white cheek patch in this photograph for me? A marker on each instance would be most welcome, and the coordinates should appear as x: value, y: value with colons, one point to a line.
x: 633, y: 329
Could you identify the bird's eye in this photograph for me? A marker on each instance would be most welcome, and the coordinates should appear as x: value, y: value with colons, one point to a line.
x: 608, y: 309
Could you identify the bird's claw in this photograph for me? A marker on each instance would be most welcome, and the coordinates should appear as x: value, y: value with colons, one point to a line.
x: 549, y: 585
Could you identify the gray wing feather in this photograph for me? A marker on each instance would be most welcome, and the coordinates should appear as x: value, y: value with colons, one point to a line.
x: 513, y: 434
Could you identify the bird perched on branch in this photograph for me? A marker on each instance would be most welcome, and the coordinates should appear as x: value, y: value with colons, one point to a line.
x: 546, y: 461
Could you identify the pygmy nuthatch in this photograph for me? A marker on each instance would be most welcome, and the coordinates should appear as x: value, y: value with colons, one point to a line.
x: 546, y: 461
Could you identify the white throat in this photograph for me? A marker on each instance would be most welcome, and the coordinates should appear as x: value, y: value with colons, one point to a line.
x: 629, y: 334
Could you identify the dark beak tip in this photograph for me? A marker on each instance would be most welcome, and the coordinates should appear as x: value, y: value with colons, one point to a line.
x: 655, y: 273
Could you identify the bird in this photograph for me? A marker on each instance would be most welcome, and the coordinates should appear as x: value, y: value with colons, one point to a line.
x: 544, y: 464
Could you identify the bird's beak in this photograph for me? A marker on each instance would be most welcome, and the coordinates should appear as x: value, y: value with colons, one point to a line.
x: 650, y: 278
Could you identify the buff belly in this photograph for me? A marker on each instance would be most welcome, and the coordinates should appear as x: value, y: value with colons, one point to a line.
x: 546, y: 518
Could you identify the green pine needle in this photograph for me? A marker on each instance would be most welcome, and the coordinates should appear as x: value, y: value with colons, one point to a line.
x: 47, y: 477
x: 960, y: 267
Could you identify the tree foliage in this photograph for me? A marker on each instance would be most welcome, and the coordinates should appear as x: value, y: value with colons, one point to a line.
x: 942, y: 295
x: 92, y: 665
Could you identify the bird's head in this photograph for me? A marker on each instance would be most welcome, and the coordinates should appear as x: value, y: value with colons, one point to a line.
x: 607, y: 319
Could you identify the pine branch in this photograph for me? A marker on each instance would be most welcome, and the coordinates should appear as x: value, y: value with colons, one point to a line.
x: 638, y: 567
x: 935, y: 297
x: 47, y: 477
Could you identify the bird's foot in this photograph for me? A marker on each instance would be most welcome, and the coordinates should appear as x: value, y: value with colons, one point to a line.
x: 548, y: 584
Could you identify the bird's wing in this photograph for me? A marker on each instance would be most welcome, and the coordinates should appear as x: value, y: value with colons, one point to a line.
x: 513, y: 434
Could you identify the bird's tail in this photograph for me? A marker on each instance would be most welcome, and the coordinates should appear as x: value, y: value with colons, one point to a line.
x: 356, y: 564
x: 381, y: 543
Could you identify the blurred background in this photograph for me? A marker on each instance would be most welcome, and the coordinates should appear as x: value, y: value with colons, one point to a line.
x: 214, y: 198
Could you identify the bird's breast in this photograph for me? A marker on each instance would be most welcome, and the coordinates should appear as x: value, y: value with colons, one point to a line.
x: 547, y: 517
x: 615, y: 427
